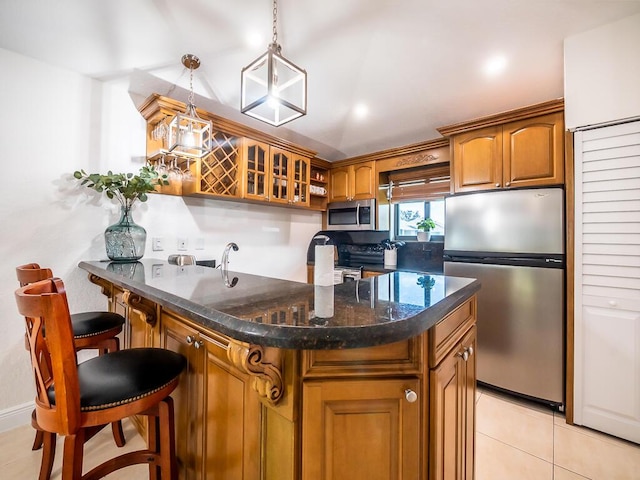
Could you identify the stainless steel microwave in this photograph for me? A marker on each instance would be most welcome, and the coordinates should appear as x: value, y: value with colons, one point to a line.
x: 354, y: 215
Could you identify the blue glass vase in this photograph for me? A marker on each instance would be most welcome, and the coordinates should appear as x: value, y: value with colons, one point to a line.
x: 125, y: 240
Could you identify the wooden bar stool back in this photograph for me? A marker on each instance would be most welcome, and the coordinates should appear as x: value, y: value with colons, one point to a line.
x: 77, y: 400
x: 91, y: 330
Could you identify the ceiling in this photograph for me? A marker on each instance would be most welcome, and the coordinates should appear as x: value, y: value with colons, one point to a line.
x: 414, y: 65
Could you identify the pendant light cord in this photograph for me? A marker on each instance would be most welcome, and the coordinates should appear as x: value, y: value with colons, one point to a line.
x: 275, y: 21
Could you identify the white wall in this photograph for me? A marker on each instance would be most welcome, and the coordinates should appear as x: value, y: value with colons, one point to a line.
x: 602, y: 74
x: 56, y: 122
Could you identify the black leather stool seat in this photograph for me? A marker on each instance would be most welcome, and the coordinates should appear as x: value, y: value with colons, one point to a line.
x: 88, y: 324
x: 124, y: 376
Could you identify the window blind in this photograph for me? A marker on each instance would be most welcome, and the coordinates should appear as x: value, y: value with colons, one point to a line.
x: 430, y: 183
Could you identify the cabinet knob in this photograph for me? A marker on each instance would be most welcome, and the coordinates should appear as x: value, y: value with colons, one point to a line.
x: 507, y: 184
x: 470, y: 350
x: 410, y: 395
x: 190, y: 339
x: 497, y: 184
x: 613, y: 303
x: 197, y: 344
x: 464, y: 354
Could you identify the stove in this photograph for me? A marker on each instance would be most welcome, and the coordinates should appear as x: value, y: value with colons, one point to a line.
x: 358, y: 254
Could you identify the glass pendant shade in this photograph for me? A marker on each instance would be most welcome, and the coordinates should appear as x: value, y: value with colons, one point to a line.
x: 189, y: 135
x: 274, y: 90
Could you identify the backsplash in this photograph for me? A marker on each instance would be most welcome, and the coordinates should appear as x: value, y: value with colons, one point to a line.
x: 423, y: 256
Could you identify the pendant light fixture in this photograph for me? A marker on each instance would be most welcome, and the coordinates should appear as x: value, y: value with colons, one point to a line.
x: 274, y: 90
x: 189, y: 135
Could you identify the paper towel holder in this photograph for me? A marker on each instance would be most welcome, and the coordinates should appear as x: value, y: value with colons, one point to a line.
x: 324, y: 238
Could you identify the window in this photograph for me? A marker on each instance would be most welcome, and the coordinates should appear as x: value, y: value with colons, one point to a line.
x: 408, y: 214
x: 415, y: 194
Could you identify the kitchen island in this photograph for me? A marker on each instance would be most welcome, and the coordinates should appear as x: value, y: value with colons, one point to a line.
x: 372, y: 379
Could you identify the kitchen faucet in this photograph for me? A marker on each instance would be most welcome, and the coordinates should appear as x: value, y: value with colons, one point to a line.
x: 224, y: 264
x: 225, y: 255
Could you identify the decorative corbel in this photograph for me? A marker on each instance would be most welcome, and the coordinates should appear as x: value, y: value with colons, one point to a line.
x: 144, y: 307
x: 264, y: 364
x: 104, y: 285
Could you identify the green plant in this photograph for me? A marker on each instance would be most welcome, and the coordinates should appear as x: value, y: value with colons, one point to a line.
x: 124, y: 187
x: 426, y: 225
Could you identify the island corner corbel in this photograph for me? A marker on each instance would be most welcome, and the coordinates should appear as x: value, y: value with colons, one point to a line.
x: 264, y: 364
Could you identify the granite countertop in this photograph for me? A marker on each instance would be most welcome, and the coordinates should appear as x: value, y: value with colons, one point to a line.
x: 284, y: 314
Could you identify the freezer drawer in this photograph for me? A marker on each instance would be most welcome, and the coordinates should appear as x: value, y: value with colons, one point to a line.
x: 520, y: 327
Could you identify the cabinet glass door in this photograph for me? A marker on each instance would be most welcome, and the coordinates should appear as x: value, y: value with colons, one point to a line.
x: 256, y: 170
x: 279, y: 176
x: 301, y: 181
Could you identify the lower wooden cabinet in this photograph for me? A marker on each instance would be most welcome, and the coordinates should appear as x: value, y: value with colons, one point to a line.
x: 452, y: 403
x: 218, y: 415
x: 403, y: 411
x: 368, y: 429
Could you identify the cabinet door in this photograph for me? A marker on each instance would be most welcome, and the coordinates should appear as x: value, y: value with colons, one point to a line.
x: 339, y: 185
x: 279, y: 185
x: 301, y: 179
x: 363, y: 182
x: 361, y: 430
x: 452, y: 412
x: 232, y: 417
x: 477, y: 160
x: 256, y: 170
x: 533, y: 151
x: 177, y: 337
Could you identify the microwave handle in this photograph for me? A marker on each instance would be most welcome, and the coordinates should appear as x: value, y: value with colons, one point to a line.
x: 358, y: 214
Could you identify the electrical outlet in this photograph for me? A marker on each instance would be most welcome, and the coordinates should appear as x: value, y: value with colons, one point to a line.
x: 182, y: 244
x: 157, y: 244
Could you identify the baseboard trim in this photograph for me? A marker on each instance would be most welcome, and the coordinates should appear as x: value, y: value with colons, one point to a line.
x: 17, y: 416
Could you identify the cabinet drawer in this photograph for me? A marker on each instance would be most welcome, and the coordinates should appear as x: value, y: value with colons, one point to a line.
x: 446, y: 333
x: 394, y: 358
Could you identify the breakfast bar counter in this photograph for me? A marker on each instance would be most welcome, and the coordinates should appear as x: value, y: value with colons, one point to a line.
x: 366, y: 379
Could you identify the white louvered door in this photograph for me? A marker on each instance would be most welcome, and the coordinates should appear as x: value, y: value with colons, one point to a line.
x: 607, y: 280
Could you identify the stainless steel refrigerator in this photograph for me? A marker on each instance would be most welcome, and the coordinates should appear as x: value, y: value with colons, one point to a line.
x: 513, y: 242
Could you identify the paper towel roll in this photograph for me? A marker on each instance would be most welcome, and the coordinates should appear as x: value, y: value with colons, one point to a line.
x: 323, y: 301
x: 323, y: 269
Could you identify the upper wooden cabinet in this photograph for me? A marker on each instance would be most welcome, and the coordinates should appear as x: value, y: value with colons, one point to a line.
x: 493, y: 152
x: 275, y: 175
x: 352, y: 182
x: 243, y: 163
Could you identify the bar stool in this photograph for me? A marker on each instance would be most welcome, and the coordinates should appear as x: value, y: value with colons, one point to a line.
x: 91, y: 330
x: 77, y: 400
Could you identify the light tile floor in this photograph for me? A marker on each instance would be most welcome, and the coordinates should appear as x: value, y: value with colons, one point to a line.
x: 524, y: 441
x: 19, y: 462
x: 514, y: 441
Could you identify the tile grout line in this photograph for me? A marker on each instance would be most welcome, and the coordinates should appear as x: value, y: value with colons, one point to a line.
x: 515, y: 448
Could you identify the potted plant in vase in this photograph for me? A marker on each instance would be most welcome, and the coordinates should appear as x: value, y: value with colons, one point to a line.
x: 424, y: 229
x: 124, y: 240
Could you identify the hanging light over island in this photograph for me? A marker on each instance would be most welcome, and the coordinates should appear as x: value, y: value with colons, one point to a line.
x: 274, y: 90
x: 189, y: 135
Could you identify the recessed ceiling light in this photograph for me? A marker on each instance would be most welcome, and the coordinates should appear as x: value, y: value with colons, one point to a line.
x: 360, y: 110
x: 254, y: 39
x: 495, y: 65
